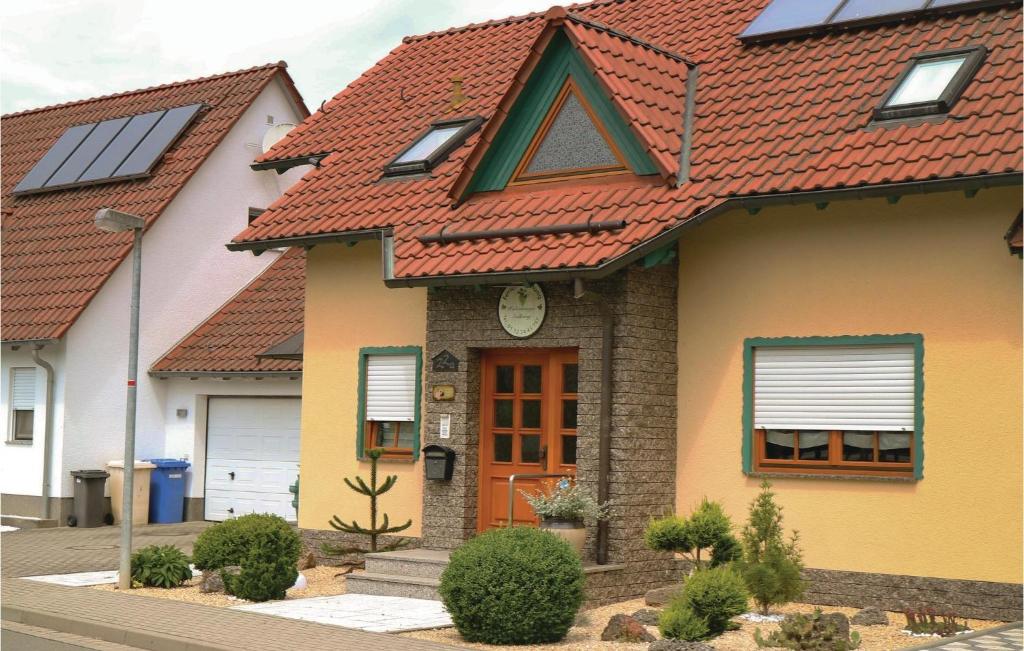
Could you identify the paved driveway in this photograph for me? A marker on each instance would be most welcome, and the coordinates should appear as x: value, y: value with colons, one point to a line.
x: 62, y: 550
x: 1001, y: 638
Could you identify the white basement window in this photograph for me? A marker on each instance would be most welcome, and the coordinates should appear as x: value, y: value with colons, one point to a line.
x: 23, y: 404
x: 931, y: 83
x: 391, y: 403
x: 835, y: 408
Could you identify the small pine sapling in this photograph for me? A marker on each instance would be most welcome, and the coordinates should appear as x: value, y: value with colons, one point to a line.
x: 373, y: 531
x: 770, y: 565
x: 708, y: 527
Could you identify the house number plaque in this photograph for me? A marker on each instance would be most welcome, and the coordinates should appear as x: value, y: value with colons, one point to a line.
x: 521, y: 310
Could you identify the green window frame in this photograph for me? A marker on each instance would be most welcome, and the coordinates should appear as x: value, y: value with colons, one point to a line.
x: 364, y: 354
x: 913, y: 339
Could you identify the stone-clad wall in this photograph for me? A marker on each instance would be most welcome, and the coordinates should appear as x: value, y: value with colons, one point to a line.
x: 463, y: 321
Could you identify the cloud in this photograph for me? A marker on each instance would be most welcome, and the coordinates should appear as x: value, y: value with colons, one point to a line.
x: 61, y: 50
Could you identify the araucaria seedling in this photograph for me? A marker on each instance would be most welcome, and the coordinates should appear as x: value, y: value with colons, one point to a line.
x: 373, y: 531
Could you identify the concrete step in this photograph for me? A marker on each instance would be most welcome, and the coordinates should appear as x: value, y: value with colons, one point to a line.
x: 26, y: 522
x: 425, y: 563
x: 391, y: 585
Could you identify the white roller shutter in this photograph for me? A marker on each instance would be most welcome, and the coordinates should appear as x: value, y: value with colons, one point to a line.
x: 391, y: 387
x: 23, y: 388
x: 866, y: 388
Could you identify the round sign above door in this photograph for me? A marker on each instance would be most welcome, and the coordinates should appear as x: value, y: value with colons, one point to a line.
x: 521, y: 310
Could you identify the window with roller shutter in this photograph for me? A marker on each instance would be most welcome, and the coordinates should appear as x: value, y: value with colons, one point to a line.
x: 389, y: 400
x: 23, y: 405
x: 834, y: 405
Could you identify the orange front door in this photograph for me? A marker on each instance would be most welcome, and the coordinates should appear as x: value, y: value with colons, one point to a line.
x: 527, y: 426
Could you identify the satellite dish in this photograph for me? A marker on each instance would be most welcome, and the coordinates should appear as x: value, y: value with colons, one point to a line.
x: 275, y: 134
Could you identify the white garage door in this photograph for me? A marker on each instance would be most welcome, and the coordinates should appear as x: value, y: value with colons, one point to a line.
x: 252, y: 456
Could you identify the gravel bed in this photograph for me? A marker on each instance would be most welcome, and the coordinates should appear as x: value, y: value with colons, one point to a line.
x: 586, y: 635
x: 321, y: 582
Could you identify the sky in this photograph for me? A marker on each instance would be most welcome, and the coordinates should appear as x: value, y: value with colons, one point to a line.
x: 55, y: 51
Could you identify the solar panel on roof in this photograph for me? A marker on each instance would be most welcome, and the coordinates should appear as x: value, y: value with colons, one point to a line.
x: 116, y: 149
x: 130, y: 136
x: 52, y: 159
x: 86, y: 153
x: 785, y: 18
x: 157, y: 141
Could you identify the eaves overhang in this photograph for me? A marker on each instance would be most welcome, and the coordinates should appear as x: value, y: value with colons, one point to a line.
x: 309, y: 240
x: 281, y: 165
x: 11, y: 343
x: 752, y: 202
x: 163, y: 375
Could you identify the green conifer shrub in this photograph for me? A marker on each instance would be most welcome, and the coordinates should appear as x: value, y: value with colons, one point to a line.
x: 707, y: 527
x: 770, y: 566
x: 519, y: 585
x: 679, y: 622
x: 716, y: 595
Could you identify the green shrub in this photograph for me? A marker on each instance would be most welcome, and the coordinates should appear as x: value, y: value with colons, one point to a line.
x: 160, y: 567
x: 513, y: 586
x: 679, y: 622
x: 715, y: 595
x: 707, y: 527
x: 264, y: 546
x: 924, y: 619
x: 770, y: 566
x: 815, y: 632
x: 228, y: 542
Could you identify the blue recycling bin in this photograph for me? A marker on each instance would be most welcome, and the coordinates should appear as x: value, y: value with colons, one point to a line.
x: 167, y: 491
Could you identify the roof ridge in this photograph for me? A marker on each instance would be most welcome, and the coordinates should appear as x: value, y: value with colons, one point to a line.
x: 148, y: 89
x: 579, y: 6
x: 636, y: 40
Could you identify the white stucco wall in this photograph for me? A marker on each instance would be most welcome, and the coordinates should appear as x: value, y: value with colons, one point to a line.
x: 187, y: 274
x: 186, y: 435
x: 21, y: 464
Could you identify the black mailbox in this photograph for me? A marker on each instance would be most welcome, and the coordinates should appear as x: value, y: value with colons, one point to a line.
x: 438, y: 462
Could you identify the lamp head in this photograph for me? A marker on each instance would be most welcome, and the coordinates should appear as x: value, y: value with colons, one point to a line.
x: 115, y: 221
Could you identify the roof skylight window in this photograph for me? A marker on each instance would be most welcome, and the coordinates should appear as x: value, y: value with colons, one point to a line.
x: 432, y: 146
x: 931, y: 84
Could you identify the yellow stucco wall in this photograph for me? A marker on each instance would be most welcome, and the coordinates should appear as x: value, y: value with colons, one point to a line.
x: 348, y: 308
x: 935, y: 265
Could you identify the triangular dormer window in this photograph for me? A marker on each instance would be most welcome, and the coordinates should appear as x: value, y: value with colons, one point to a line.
x: 569, y: 142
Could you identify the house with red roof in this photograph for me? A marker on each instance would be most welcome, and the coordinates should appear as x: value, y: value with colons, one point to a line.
x: 177, y: 155
x: 672, y: 249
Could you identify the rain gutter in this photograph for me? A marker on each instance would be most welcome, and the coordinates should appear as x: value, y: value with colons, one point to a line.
x: 47, y: 430
x: 282, y: 165
x: 163, y: 375
x: 496, y: 233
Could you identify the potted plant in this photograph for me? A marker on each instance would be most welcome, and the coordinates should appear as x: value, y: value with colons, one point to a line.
x: 564, y: 509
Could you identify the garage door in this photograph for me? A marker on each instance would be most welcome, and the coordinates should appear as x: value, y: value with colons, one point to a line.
x: 252, y: 456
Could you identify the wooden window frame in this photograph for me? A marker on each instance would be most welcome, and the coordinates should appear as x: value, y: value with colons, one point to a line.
x: 365, y: 429
x: 753, y: 438
x: 834, y: 465
x: 520, y: 175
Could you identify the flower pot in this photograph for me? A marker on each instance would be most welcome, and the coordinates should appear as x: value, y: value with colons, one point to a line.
x: 573, y: 532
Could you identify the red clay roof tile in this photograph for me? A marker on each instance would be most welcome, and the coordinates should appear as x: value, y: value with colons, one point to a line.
x: 785, y: 116
x: 54, y: 259
x: 266, y: 312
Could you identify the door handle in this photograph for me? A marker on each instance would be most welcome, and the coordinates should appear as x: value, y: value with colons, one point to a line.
x: 231, y: 509
x: 232, y: 475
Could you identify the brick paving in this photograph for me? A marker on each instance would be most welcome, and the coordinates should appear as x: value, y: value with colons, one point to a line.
x: 1005, y: 638
x: 144, y: 622
x: 63, y: 550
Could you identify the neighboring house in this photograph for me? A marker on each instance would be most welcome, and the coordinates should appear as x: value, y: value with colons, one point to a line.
x: 233, y: 390
x: 177, y: 155
x: 785, y: 230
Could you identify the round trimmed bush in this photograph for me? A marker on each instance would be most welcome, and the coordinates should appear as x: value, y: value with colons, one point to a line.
x: 717, y: 595
x: 264, y: 546
x: 513, y: 586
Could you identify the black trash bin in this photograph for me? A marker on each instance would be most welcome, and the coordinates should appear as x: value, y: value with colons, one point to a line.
x: 90, y: 509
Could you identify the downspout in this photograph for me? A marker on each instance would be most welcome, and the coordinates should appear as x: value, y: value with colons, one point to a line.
x: 604, y: 445
x: 47, y: 430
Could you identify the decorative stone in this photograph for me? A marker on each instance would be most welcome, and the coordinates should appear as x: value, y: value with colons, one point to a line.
x: 306, y: 562
x: 211, y: 582
x: 870, y: 616
x: 647, y: 616
x: 661, y: 596
x: 623, y: 628
x: 841, y: 623
x: 300, y: 582
x: 679, y: 645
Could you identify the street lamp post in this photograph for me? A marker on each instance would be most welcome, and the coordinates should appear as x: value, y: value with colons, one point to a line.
x: 114, y: 221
